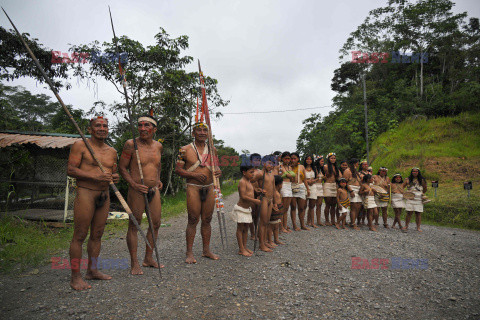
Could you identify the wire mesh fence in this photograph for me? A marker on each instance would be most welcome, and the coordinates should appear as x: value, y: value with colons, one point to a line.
x: 39, y: 190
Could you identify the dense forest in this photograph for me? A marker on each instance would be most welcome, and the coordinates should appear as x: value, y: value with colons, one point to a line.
x: 437, y: 75
x: 156, y: 79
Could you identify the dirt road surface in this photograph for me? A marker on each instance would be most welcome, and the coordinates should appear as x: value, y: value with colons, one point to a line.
x: 311, y: 277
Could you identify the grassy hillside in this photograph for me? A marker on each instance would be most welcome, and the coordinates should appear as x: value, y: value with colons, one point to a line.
x: 445, y: 149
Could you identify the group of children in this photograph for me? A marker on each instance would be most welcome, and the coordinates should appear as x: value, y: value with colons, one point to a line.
x: 282, y: 183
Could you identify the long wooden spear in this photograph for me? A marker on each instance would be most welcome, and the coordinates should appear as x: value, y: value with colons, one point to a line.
x: 123, y: 78
x: 213, y: 156
x: 87, y: 144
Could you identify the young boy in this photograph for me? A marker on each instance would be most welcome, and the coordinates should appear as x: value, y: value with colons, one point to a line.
x: 265, y: 179
x: 242, y: 211
x: 343, y: 202
x: 369, y: 199
x: 277, y: 213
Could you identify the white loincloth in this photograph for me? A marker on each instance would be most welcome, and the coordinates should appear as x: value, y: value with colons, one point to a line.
x: 330, y: 189
x: 357, y: 198
x: 343, y: 210
x: 302, y: 192
x: 398, y: 201
x: 319, y: 187
x: 286, y: 190
x: 241, y: 215
x: 275, y: 221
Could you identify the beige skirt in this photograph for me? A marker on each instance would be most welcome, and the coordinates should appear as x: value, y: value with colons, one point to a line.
x: 241, y: 215
x: 398, y: 201
x: 313, y: 192
x: 357, y: 198
x: 330, y: 189
x: 369, y: 202
x: 381, y: 204
x: 319, y: 187
x: 302, y: 192
x: 286, y: 190
x: 415, y: 204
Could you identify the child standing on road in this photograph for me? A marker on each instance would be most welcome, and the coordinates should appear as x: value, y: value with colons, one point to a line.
x: 242, y: 211
x: 277, y: 213
x: 343, y: 202
x: 368, y: 194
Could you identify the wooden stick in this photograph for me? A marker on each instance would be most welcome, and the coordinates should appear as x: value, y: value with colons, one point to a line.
x: 140, y: 170
x: 87, y: 144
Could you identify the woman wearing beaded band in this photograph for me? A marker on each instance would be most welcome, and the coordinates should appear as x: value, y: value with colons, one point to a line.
x: 330, y: 188
x: 300, y: 191
x: 398, y: 202
x: 285, y: 171
x: 418, y: 185
x: 381, y: 180
x: 319, y: 163
x: 312, y: 197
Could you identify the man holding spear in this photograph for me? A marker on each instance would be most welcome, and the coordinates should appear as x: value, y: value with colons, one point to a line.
x: 92, y: 201
x: 150, y: 152
x: 82, y: 160
x: 194, y: 165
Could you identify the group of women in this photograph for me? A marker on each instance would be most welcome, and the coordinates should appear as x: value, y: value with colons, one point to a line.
x: 306, y: 186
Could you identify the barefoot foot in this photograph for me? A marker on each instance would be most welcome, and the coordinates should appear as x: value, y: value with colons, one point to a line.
x: 97, y: 275
x: 210, y: 255
x: 190, y: 258
x: 77, y: 283
x: 150, y: 262
x: 244, y: 253
x: 135, y: 269
x: 266, y: 249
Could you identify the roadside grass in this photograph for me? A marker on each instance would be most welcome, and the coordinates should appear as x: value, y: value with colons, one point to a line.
x: 451, y: 208
x: 447, y: 140
x: 27, y: 244
x: 446, y: 149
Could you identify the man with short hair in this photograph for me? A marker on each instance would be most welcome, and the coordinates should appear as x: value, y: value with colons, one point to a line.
x: 92, y: 201
x: 150, y: 154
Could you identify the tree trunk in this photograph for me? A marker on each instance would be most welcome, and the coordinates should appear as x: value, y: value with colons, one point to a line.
x: 421, y: 74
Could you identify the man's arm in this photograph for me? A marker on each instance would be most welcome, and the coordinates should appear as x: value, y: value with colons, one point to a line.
x: 180, y: 168
x: 73, y: 167
x: 115, y: 176
x: 160, y: 184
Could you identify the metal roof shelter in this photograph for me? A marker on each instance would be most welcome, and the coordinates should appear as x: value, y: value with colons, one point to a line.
x: 41, y: 188
x: 43, y: 140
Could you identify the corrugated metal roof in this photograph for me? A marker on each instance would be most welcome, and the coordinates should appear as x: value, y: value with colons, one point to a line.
x: 41, y: 139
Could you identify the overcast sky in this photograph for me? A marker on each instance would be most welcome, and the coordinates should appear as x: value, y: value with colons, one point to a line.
x: 266, y: 55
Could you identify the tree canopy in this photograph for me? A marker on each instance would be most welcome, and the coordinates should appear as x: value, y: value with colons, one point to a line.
x: 446, y: 84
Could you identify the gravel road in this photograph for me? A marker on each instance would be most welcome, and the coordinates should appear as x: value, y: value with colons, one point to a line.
x: 308, y: 278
